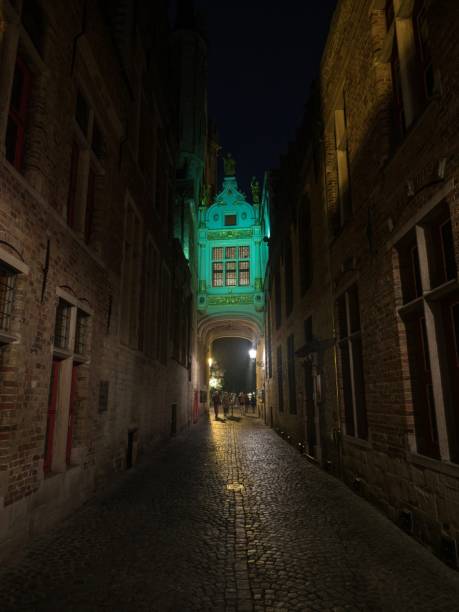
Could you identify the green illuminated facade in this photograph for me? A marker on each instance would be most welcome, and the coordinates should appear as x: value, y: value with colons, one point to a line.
x: 233, y: 252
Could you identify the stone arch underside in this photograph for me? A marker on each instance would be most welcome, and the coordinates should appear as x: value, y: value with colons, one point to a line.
x: 228, y: 326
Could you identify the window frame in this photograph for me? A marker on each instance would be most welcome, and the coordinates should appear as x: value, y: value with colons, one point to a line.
x: 226, y: 268
x: 436, y: 292
x: 19, y: 116
x: 9, y: 334
x: 352, y: 379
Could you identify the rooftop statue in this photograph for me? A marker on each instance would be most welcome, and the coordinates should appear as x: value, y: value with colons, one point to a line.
x: 255, y: 188
x: 229, y: 165
x: 205, y: 198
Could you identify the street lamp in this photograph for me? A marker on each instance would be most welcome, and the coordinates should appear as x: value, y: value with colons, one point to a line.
x: 252, y: 353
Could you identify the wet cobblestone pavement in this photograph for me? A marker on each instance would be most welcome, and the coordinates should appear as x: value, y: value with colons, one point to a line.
x: 175, y: 537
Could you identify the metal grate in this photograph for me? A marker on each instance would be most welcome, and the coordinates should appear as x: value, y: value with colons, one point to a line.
x: 62, y: 328
x: 7, y: 285
x: 231, y: 280
x: 244, y: 273
x: 81, y: 333
x: 217, y: 253
x: 217, y: 275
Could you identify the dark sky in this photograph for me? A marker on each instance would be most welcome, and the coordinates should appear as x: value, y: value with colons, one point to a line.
x: 262, y: 59
x: 232, y: 355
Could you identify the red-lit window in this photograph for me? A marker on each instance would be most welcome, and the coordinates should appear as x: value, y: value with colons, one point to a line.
x: 17, y: 116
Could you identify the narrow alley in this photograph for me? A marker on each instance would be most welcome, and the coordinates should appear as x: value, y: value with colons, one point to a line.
x: 206, y: 523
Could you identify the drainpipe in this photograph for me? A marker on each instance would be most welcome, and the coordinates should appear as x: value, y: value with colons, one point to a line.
x: 337, y: 433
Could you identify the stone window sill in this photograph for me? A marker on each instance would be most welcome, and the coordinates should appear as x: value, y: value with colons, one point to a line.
x: 443, y: 467
x: 357, y: 442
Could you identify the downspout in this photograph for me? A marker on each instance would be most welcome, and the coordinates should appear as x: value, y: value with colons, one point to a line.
x: 337, y: 433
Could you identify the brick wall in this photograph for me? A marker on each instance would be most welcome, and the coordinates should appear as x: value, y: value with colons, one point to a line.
x: 119, y: 389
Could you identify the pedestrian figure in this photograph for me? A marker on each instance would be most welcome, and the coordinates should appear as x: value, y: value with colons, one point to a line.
x: 253, y: 402
x: 225, y: 404
x: 216, y: 401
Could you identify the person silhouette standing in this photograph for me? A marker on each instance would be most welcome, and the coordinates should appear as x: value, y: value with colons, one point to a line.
x: 216, y: 401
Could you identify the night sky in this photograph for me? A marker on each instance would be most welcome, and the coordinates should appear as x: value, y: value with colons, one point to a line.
x: 232, y: 354
x: 262, y: 59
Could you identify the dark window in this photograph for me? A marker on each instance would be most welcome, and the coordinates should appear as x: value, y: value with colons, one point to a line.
x: 291, y: 374
x: 33, y: 22
x: 269, y: 364
x: 98, y: 143
x: 389, y: 11
x: 62, y: 327
x: 399, y: 126
x: 7, y: 285
x: 288, y: 276
x: 73, y: 185
x: 342, y: 165
x: 350, y: 345
x: 421, y: 32
x: 444, y: 258
x: 305, y: 245
x: 409, y: 268
x: 450, y: 314
x: 90, y: 205
x: 17, y: 116
x: 280, y: 380
x: 308, y: 337
x: 82, y: 113
x: 230, y: 219
x: 432, y: 341
x: 277, y: 296
x: 81, y: 332
x: 421, y: 385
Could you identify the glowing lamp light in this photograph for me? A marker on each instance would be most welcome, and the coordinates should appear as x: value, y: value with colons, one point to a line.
x: 210, y: 362
x: 213, y: 382
x: 252, y: 353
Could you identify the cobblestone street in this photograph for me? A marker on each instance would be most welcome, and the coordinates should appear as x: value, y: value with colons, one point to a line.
x: 176, y: 535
